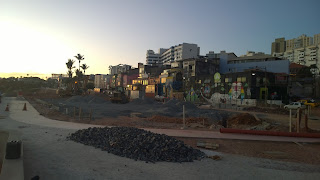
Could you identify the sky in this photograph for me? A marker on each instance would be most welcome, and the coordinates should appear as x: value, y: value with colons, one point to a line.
x: 37, y: 37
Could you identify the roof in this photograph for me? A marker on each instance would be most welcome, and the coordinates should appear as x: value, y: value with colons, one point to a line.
x: 295, y: 65
x: 253, y: 57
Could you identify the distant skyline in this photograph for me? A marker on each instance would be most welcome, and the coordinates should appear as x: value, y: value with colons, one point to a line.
x: 37, y: 37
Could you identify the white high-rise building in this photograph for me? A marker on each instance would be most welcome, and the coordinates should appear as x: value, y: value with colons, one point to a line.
x: 172, y: 54
x: 154, y: 58
x: 180, y: 52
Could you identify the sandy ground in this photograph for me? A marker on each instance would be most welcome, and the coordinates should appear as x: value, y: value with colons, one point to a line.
x: 48, y: 154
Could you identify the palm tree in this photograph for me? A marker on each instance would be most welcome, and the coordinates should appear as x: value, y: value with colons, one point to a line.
x: 80, y: 58
x: 70, y: 67
x: 84, y: 67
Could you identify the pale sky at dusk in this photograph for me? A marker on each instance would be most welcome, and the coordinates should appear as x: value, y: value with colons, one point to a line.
x: 39, y: 36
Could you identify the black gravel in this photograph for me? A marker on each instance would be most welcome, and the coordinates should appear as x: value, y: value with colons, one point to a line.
x: 137, y: 144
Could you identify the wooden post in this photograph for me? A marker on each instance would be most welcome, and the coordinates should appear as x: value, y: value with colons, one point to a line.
x: 297, y: 121
x: 306, y: 122
x: 67, y: 111
x: 90, y: 114
x: 290, y: 120
x: 74, y: 112
x: 184, y: 117
x: 79, y: 113
x: 309, y: 110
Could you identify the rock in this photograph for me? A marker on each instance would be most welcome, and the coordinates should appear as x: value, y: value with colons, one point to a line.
x: 137, y: 144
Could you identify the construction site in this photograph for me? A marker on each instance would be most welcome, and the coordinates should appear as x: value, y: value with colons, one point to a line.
x: 152, y: 132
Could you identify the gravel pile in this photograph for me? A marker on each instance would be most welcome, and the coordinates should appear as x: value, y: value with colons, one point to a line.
x: 137, y: 144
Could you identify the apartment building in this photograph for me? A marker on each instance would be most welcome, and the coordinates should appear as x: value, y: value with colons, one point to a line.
x: 101, y: 80
x: 300, y: 42
x: 180, y: 52
x: 316, y: 39
x: 153, y: 58
x: 303, y: 50
x: 120, y: 68
x: 278, y: 46
x: 172, y: 54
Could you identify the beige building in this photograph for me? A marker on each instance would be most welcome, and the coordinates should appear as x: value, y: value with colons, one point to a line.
x: 316, y: 39
x: 300, y: 42
x: 302, y: 50
x: 278, y: 46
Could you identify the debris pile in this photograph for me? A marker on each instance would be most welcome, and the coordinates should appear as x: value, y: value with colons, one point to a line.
x: 242, y: 119
x: 137, y: 144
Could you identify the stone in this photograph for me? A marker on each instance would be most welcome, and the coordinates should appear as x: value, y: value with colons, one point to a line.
x: 137, y: 144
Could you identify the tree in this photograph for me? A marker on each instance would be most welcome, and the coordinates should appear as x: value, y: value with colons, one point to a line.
x: 70, y: 67
x: 79, y: 74
x: 79, y: 58
x: 84, y: 67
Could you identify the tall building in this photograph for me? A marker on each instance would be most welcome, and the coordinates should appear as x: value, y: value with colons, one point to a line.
x: 302, y: 50
x: 154, y: 58
x: 300, y: 42
x: 101, y: 80
x: 172, y: 54
x: 180, y: 52
x: 120, y: 68
x: 316, y: 39
x: 278, y: 46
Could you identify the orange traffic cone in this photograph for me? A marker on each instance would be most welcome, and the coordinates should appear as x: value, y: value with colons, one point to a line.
x: 7, y: 108
x: 24, y: 107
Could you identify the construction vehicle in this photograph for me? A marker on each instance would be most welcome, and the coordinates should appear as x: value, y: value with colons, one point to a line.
x: 119, y: 97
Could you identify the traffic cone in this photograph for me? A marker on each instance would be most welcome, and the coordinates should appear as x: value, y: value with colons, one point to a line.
x: 7, y: 108
x: 24, y: 107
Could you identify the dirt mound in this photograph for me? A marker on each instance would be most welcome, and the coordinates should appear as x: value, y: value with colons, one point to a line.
x: 176, y: 104
x: 268, y: 110
x: 242, y: 119
x: 142, y: 101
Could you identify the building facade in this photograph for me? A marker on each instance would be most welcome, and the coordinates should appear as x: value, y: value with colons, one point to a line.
x: 229, y: 62
x: 153, y: 58
x: 278, y: 46
x: 101, y: 81
x: 303, y: 50
x: 172, y: 54
x: 180, y: 52
x: 120, y: 68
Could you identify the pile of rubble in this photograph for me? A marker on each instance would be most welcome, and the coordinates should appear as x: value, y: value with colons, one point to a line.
x: 137, y: 144
x: 244, y: 119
